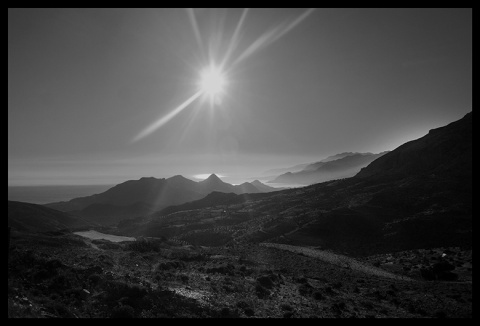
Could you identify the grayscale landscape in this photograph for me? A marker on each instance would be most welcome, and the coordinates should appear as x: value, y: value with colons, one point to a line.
x: 240, y: 163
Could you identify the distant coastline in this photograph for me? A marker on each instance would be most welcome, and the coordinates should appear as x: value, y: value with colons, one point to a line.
x: 49, y: 194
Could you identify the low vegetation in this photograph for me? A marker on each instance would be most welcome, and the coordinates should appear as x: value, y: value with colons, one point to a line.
x: 65, y: 276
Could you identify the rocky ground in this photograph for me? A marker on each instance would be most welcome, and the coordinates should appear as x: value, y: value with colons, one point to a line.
x: 65, y: 275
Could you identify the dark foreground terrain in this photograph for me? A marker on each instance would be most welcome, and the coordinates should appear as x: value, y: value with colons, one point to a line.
x: 393, y: 241
x: 64, y: 275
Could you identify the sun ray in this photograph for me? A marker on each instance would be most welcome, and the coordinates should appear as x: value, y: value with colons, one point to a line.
x: 262, y: 41
x: 234, y: 41
x: 271, y: 36
x: 213, y: 77
x: 157, y: 124
x: 294, y: 23
x: 196, y: 30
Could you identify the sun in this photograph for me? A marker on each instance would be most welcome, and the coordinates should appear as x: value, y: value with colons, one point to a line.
x: 212, y: 81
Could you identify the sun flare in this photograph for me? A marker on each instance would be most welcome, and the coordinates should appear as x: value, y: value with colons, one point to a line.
x: 212, y: 81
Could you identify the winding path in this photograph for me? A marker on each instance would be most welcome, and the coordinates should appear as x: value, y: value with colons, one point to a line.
x: 339, y: 260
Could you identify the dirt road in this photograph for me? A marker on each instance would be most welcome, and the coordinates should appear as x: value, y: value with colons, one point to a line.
x: 336, y: 259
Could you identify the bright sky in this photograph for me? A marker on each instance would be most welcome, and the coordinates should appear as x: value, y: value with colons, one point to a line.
x: 84, y: 86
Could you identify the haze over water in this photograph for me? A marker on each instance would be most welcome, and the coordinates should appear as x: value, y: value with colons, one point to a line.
x: 49, y: 194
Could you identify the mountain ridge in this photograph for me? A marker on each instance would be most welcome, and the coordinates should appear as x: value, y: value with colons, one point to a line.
x: 146, y: 195
x: 367, y: 214
x: 304, y: 166
x: 440, y: 151
x: 334, y: 167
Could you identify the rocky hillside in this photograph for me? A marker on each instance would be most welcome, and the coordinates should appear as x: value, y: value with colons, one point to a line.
x: 443, y: 152
x: 363, y: 215
x: 147, y: 195
x: 37, y: 218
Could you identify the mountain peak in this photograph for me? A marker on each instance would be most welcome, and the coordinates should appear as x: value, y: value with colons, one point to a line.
x: 147, y: 179
x: 180, y: 180
x: 213, y: 177
x: 177, y: 177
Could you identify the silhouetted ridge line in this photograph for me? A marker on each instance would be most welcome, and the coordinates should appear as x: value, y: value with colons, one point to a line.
x: 334, y: 167
x: 146, y: 195
x: 445, y: 151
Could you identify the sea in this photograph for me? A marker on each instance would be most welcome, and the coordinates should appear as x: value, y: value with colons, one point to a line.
x: 51, y: 194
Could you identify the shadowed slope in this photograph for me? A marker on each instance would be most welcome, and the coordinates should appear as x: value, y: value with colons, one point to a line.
x: 389, y: 207
x: 37, y: 218
x: 144, y: 196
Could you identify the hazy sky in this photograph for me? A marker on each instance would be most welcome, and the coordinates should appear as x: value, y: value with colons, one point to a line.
x: 83, y: 83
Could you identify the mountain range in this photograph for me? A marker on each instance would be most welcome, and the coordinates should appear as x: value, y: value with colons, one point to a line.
x: 395, y: 240
x: 300, y: 167
x: 338, y: 166
x: 416, y: 196
x: 147, y: 195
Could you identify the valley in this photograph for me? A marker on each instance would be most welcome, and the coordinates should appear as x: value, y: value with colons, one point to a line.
x: 395, y: 240
x: 259, y: 163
